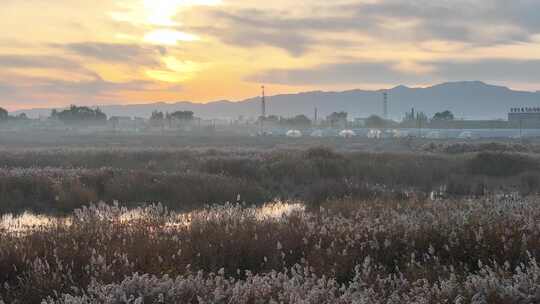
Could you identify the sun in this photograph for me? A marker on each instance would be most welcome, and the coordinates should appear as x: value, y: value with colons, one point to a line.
x: 160, y: 15
x: 161, y: 12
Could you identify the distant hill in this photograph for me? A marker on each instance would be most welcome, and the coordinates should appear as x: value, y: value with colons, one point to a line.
x: 468, y: 99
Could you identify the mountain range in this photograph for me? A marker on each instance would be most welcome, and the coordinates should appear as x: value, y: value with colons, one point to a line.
x: 466, y: 99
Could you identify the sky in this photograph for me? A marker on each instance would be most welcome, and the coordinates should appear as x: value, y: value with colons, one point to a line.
x: 59, y: 52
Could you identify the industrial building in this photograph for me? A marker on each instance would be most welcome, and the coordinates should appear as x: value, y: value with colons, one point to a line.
x: 524, y: 118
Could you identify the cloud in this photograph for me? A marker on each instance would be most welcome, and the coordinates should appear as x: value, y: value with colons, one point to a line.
x: 476, y: 23
x: 271, y: 28
x: 490, y: 70
x: 89, y: 88
x: 354, y: 72
x: 36, y: 61
x: 57, y: 65
x: 293, y: 43
x: 44, y: 91
x: 341, y: 73
x: 120, y: 53
x: 251, y: 28
x: 6, y: 90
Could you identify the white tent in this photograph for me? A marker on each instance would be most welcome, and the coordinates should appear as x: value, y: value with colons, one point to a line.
x: 347, y: 133
x: 375, y: 133
x: 466, y: 135
x: 294, y: 134
x: 400, y: 133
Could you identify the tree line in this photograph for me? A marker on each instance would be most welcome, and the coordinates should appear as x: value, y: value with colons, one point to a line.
x: 82, y: 114
x: 4, y: 115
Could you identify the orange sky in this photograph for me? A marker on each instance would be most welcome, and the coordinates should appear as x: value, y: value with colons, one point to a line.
x: 60, y: 52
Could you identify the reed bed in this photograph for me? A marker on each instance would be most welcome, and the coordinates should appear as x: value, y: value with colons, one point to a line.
x: 345, y: 251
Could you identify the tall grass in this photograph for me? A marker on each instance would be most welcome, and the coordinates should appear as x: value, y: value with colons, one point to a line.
x: 457, y: 251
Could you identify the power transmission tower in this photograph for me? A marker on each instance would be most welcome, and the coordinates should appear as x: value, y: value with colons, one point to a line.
x: 263, y: 109
x: 385, y: 105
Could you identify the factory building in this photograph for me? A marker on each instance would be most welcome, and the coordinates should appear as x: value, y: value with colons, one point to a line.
x: 526, y: 117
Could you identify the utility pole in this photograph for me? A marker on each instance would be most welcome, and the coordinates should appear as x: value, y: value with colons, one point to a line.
x: 419, y: 119
x: 520, y: 128
x: 114, y: 122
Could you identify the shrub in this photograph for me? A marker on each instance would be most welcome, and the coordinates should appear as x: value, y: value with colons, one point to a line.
x: 185, y: 179
x: 501, y: 164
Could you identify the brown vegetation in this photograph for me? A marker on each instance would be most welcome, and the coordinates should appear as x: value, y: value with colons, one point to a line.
x: 413, y: 241
x: 62, y: 180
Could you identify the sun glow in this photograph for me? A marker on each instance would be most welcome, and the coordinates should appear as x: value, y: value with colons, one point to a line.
x: 162, y: 12
x: 177, y: 70
x: 168, y: 37
x: 156, y: 12
x: 159, y: 17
